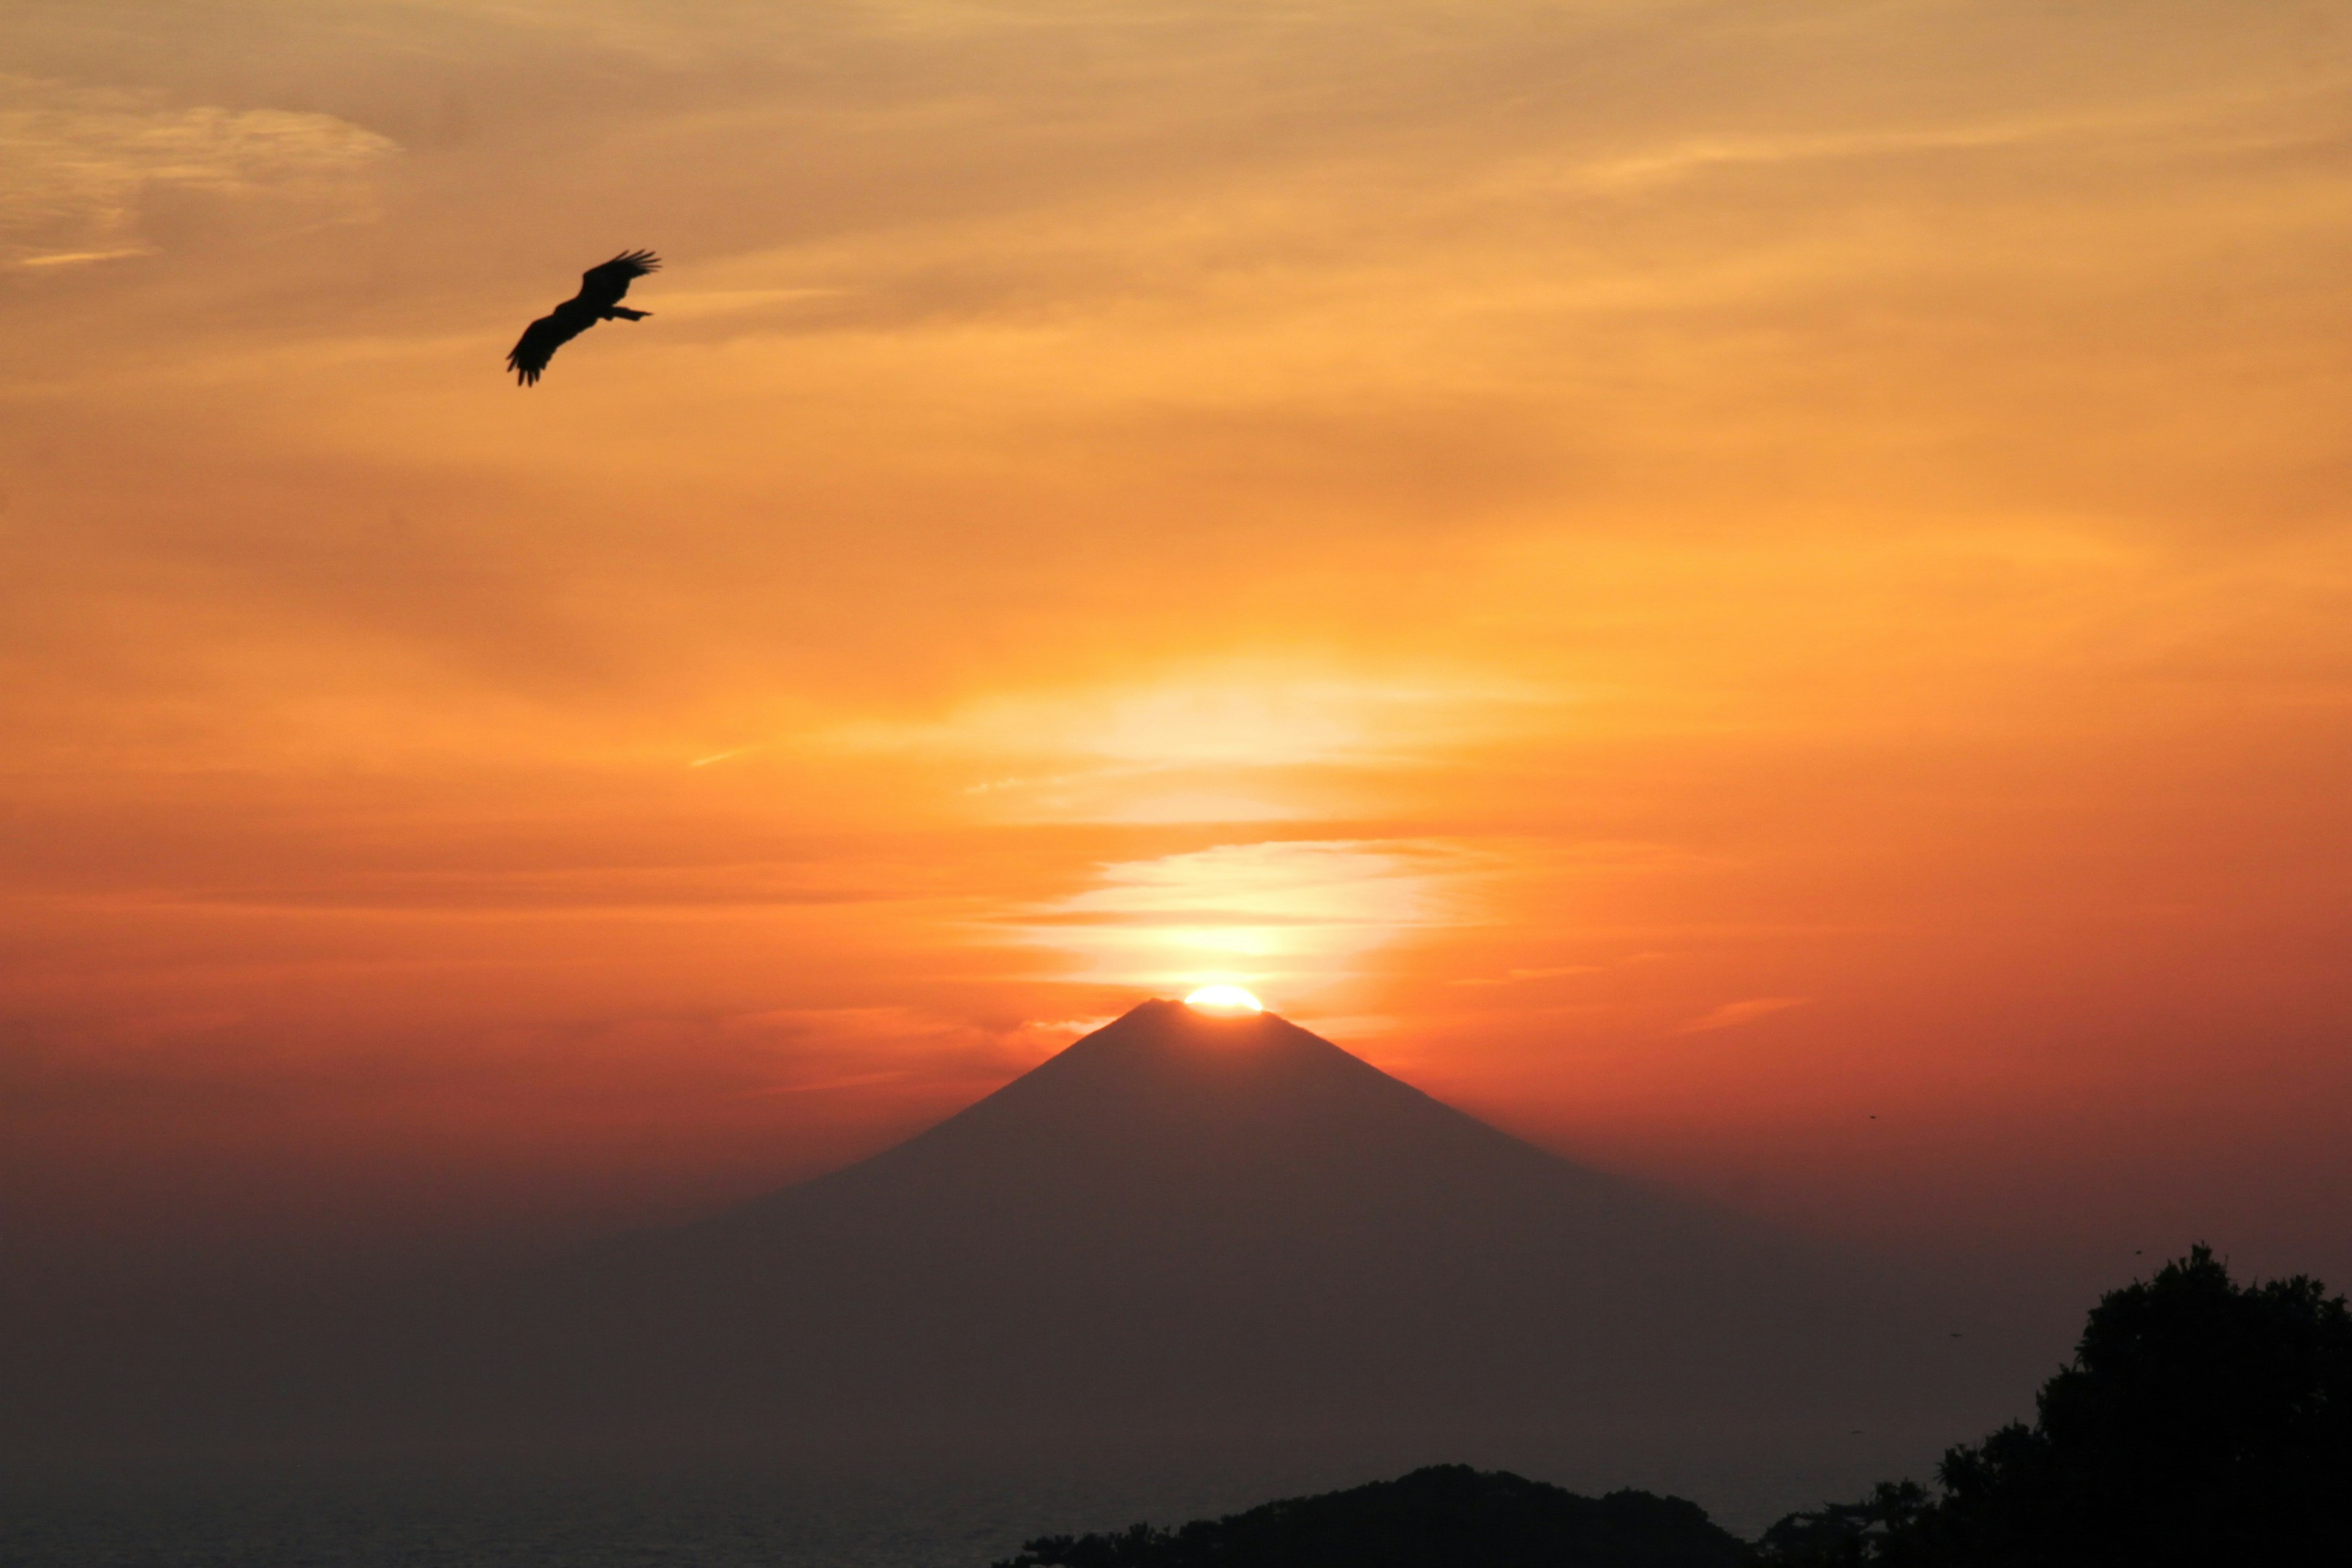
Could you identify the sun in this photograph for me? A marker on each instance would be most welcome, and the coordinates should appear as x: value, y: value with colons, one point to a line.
x: 1225, y: 1000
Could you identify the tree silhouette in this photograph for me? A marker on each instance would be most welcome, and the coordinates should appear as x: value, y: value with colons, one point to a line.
x: 2201, y: 1424
x: 1844, y: 1534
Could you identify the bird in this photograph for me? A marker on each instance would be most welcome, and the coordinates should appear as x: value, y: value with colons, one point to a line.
x: 599, y: 299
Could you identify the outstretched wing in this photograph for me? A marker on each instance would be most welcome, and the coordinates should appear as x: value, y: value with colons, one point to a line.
x: 602, y: 286
x: 540, y: 340
x: 600, y: 289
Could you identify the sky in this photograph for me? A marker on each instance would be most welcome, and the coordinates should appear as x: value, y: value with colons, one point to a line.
x: 1758, y: 594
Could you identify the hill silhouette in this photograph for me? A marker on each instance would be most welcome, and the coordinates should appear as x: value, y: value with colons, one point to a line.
x: 1441, y: 1517
x: 1186, y: 1219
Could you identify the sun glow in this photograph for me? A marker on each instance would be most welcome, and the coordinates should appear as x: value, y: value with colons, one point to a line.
x: 1308, y: 914
x: 1225, y: 1001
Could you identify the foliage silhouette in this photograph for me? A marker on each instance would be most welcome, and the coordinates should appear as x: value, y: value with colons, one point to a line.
x: 1846, y: 1533
x: 1448, y: 1516
x: 2201, y: 1423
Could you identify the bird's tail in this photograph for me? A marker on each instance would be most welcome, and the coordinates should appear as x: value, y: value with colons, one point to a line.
x: 626, y: 314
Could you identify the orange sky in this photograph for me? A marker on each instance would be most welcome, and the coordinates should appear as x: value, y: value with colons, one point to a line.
x: 1682, y: 575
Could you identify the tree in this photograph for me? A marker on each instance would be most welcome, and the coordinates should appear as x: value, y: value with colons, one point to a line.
x: 1846, y: 1535
x: 2201, y: 1423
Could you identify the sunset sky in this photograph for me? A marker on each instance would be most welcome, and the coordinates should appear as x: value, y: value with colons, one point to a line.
x: 1683, y: 576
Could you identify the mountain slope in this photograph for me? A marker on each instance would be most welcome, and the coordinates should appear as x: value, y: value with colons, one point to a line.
x: 1189, y: 1219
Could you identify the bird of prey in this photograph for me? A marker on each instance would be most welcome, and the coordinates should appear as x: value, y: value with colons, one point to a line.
x: 599, y: 299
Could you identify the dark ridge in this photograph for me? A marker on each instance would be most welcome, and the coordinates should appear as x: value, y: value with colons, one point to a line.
x: 1447, y: 1516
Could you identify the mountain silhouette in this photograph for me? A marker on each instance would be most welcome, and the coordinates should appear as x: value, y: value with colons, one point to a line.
x: 1441, y: 1516
x: 1189, y: 1219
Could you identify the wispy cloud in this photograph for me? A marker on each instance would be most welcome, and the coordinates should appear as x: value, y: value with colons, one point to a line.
x: 1223, y: 742
x: 82, y: 160
x: 1300, y: 912
x: 1240, y: 713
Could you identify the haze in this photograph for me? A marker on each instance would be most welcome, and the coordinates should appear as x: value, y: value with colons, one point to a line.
x: 1754, y: 594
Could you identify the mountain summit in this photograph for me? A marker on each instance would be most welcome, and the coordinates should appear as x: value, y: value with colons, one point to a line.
x: 1193, y: 1219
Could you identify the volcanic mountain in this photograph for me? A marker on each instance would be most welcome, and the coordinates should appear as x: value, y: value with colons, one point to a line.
x: 1184, y: 1218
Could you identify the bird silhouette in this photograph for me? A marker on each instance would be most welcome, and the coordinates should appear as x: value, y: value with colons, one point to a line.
x: 599, y: 299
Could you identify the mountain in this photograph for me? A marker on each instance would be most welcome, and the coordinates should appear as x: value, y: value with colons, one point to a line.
x: 1185, y: 1219
x: 1438, y: 1517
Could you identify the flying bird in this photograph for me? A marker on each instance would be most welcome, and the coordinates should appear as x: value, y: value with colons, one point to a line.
x: 599, y: 299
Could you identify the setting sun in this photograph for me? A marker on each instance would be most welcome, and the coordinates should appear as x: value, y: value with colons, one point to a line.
x: 1227, y: 1001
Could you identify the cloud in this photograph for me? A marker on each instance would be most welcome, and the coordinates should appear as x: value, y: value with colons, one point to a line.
x: 1273, y: 911
x: 1243, y: 713
x: 1224, y: 741
x: 82, y: 162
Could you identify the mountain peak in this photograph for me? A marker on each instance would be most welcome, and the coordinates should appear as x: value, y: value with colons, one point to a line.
x: 1168, y: 1043
x: 1175, y: 1086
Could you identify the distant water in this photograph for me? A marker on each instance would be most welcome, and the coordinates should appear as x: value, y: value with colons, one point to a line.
x: 872, y: 1504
